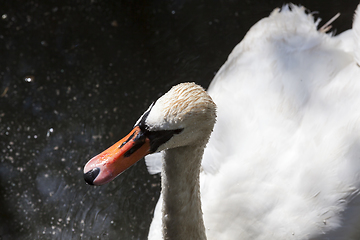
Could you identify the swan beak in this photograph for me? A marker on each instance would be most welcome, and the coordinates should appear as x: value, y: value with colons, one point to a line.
x: 110, y: 163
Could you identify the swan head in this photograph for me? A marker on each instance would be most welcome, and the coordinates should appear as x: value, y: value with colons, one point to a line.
x: 184, y: 116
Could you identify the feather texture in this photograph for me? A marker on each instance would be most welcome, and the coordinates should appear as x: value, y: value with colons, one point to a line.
x: 283, y: 161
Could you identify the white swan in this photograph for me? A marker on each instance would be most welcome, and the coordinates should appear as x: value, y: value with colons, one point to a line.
x: 283, y: 161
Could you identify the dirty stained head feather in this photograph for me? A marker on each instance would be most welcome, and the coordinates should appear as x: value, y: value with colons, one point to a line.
x: 180, y: 106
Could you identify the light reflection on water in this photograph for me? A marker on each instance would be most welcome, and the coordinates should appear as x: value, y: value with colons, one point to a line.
x: 75, y: 78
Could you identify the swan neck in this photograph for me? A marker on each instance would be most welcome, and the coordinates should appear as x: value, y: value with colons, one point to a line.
x: 182, y: 214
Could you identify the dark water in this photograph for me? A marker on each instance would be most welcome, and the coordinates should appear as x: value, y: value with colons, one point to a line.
x: 74, y: 78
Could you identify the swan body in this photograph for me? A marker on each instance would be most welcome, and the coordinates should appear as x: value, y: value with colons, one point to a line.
x: 283, y: 160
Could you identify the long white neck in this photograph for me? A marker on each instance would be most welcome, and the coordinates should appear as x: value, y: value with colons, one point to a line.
x: 182, y: 215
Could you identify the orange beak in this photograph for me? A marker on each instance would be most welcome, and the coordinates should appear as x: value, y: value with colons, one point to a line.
x: 110, y: 163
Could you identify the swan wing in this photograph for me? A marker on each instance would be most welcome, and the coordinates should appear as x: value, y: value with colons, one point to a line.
x: 283, y: 155
x: 283, y: 159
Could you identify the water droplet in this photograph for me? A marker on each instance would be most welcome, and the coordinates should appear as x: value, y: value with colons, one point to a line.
x: 51, y: 130
x: 29, y: 78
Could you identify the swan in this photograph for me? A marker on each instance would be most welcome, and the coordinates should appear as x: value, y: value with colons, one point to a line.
x: 283, y: 159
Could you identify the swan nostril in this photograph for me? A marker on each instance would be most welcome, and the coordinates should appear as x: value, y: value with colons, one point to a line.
x: 91, y: 175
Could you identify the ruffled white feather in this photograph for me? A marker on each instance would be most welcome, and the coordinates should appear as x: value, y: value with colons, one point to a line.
x: 283, y: 161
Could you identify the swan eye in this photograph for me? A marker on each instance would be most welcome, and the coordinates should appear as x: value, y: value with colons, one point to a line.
x: 127, y: 140
x: 138, y: 145
x: 157, y: 138
x: 139, y: 142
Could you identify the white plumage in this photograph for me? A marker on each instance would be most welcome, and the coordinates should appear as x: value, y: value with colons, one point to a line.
x: 283, y: 161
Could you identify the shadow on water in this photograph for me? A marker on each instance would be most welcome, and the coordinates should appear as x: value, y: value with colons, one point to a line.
x: 74, y: 78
